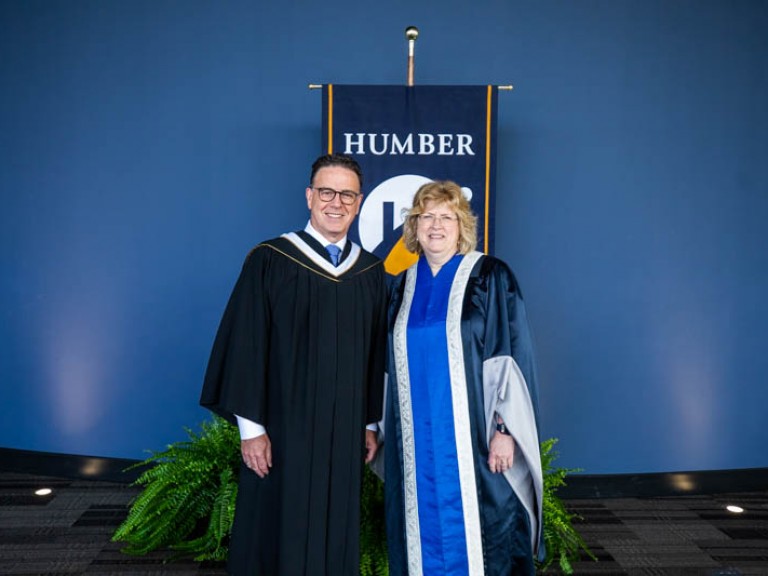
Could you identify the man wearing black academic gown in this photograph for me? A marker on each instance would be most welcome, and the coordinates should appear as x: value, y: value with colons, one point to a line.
x: 298, y: 364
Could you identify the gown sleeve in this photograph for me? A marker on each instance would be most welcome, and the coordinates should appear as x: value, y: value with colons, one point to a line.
x: 509, y: 375
x: 512, y: 333
x: 235, y: 380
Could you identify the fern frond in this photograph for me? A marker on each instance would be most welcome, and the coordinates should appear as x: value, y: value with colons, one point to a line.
x: 561, y: 540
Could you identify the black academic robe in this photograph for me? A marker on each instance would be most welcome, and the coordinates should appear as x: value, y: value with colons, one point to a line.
x: 491, y: 370
x: 301, y: 350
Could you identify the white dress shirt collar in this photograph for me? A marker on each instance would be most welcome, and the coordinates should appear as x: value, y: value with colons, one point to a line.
x: 322, y: 239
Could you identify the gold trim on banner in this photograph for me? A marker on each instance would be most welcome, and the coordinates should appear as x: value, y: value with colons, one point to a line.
x: 489, y: 102
x: 330, y: 118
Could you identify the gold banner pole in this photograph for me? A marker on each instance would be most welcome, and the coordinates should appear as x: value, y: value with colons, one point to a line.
x: 411, y: 33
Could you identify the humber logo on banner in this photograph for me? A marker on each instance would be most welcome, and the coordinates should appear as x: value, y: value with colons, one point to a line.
x: 405, y: 136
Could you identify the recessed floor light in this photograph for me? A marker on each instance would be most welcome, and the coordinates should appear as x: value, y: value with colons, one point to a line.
x: 734, y: 509
x: 43, y: 491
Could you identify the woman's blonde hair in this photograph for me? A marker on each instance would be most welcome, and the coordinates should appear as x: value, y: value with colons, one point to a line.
x: 439, y: 192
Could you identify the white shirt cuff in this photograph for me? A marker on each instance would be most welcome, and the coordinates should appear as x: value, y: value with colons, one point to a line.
x: 249, y: 429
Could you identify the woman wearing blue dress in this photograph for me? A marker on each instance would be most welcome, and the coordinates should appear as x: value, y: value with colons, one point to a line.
x: 463, y: 469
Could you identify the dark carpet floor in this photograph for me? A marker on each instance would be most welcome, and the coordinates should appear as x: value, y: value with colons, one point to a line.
x: 68, y: 532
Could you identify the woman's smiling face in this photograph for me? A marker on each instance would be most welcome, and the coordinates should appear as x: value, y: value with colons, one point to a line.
x: 438, y: 236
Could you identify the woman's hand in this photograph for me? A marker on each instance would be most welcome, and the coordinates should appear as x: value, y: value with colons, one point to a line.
x: 501, y: 453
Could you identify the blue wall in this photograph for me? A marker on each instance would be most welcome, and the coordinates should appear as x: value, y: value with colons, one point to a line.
x: 145, y: 146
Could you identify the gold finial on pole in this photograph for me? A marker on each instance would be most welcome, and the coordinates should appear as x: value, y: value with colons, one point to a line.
x: 411, y: 33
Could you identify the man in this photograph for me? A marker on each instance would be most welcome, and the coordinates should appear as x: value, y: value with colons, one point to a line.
x: 298, y: 363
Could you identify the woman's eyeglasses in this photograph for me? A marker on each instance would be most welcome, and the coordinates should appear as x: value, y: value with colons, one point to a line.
x: 428, y: 218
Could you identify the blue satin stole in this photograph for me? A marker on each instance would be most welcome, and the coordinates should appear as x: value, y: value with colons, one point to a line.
x: 441, y: 516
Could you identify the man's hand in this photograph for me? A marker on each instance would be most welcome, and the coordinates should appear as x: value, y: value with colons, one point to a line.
x: 257, y: 454
x: 371, y: 445
x: 501, y: 453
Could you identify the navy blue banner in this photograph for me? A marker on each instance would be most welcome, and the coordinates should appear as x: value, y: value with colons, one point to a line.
x: 405, y: 136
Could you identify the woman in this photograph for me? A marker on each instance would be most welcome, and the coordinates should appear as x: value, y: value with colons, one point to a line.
x: 463, y: 470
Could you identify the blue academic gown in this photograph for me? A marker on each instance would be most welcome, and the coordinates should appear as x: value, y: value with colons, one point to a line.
x: 460, y: 351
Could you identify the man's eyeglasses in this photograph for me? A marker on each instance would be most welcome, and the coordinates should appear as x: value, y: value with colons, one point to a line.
x: 328, y: 194
x: 427, y: 218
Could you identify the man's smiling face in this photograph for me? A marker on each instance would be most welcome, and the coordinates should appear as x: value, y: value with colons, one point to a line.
x: 332, y: 219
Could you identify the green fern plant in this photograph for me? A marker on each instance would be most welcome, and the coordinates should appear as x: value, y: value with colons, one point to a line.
x: 188, y: 501
x: 563, y: 543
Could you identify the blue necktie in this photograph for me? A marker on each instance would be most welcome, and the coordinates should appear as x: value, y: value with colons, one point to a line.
x: 335, y: 252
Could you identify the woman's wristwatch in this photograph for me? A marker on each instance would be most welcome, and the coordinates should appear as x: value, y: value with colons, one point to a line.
x: 502, y: 428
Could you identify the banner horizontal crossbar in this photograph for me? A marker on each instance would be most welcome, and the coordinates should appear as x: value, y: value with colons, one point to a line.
x: 506, y: 87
